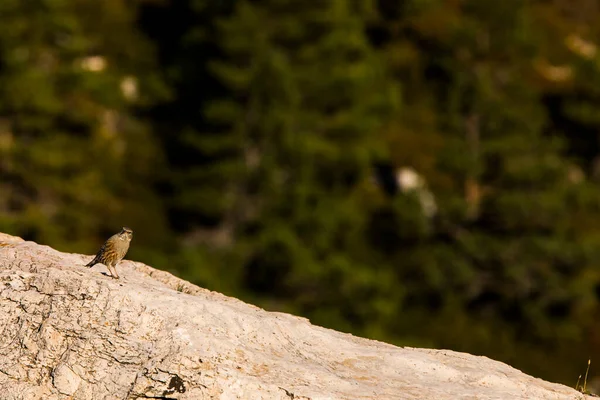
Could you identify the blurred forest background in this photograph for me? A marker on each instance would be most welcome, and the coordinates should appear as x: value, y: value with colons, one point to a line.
x: 423, y: 172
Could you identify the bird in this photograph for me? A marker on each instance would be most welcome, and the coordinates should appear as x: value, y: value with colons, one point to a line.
x: 113, y: 251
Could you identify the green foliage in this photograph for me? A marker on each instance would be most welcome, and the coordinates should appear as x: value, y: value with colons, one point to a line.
x: 254, y: 148
x: 309, y: 97
x: 516, y: 254
x: 76, y: 161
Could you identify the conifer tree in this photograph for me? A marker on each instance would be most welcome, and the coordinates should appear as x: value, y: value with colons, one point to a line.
x: 511, y: 251
x: 306, y: 101
x: 76, y: 160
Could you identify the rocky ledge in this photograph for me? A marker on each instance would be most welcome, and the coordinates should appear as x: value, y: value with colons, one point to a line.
x: 69, y: 332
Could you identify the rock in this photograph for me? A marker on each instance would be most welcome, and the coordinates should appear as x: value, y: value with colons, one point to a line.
x: 65, y: 380
x: 69, y: 332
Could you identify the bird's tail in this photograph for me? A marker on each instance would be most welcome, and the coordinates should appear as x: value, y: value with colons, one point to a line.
x: 93, y: 262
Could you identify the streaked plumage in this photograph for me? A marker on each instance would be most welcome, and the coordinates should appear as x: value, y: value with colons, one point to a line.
x: 113, y: 251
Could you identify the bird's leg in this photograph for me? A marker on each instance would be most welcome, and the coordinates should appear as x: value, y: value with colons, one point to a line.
x: 110, y: 269
x: 113, y: 271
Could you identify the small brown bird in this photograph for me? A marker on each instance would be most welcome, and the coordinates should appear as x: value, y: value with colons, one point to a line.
x: 113, y: 251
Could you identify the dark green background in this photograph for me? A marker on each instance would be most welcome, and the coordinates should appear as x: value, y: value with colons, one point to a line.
x: 257, y: 158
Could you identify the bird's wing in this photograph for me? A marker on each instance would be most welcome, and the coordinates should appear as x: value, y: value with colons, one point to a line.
x: 98, y: 256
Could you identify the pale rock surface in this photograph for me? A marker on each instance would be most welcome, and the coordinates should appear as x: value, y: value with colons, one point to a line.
x: 69, y: 332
